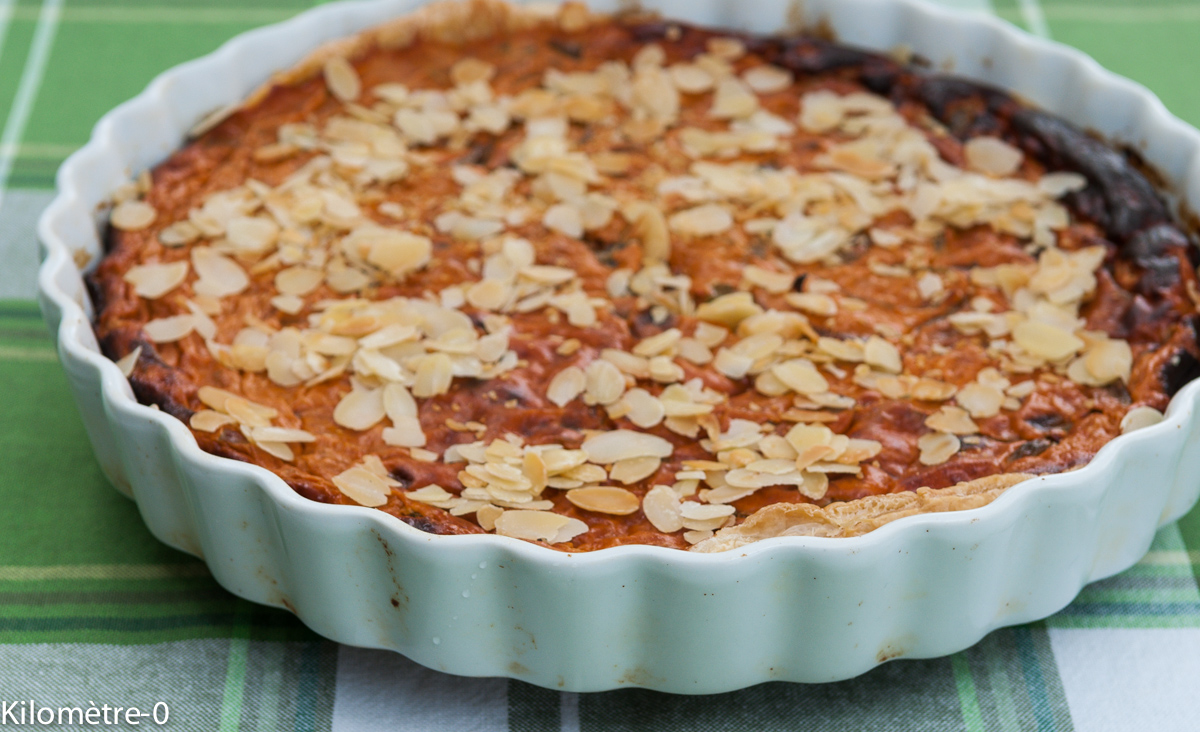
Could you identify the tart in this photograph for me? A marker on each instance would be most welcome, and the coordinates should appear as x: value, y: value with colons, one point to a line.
x: 589, y: 280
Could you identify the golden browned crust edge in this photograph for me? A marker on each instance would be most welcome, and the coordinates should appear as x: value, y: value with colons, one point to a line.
x: 855, y: 518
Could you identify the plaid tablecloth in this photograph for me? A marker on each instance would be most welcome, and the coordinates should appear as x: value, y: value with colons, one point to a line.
x: 95, y: 612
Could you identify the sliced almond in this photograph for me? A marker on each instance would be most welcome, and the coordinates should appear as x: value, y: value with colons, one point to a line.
x: 566, y: 385
x: 363, y: 486
x: 133, y: 215
x: 954, y: 420
x: 605, y: 383
x: 218, y: 275
x: 342, y: 79
x: 607, y: 448
x: 705, y: 220
x: 169, y: 329
x: 937, y: 447
x: 882, y: 355
x: 663, y: 506
x: 801, y: 376
x: 208, y: 420
x: 544, y: 526
x: 155, y: 280
x: 633, y: 470
x: 1140, y: 417
x: 604, y: 499
x: 360, y: 409
x: 1046, y: 341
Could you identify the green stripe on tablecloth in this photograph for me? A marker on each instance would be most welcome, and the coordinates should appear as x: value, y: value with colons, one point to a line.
x: 1016, y: 682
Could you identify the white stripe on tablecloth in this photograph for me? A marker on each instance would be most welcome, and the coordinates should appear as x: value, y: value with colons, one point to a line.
x: 381, y: 691
x: 569, y: 712
x: 27, y: 88
x: 1121, y: 679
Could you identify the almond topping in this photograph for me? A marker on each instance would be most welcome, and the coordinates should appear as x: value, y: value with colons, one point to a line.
x: 1046, y: 341
x: 953, y: 420
x: 362, y: 486
x: 342, y: 79
x: 566, y: 385
x: 551, y: 528
x: 155, y: 280
x: 604, y: 499
x: 133, y: 215
x: 937, y: 447
x: 663, y: 506
x: 607, y: 448
x: 1139, y: 417
x: 801, y: 376
x: 360, y: 409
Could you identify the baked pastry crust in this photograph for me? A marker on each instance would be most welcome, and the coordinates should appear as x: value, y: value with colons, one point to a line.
x: 917, y: 351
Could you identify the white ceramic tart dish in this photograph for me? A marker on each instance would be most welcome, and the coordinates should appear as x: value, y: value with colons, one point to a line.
x: 797, y: 608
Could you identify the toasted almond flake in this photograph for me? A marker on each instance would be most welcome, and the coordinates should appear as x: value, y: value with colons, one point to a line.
x: 218, y: 275
x: 882, y: 355
x: 486, y: 515
x: 298, y: 281
x: 566, y: 385
x: 208, y: 420
x: 432, y: 494
x: 1109, y: 360
x: 1046, y: 341
x: 277, y: 449
x: 605, y: 383
x: 801, y: 376
x: 980, y: 400
x: 937, y: 447
x: 930, y: 285
x: 398, y: 253
x: 1140, y: 417
x: 815, y: 485
x: 169, y: 329
x: 690, y: 78
x: 564, y: 218
x: 280, y: 434
x: 434, y: 375
x: 537, y: 526
x: 813, y: 302
x: 488, y: 294
x: 469, y: 70
x: 769, y: 280
x: 954, y: 420
x: 767, y: 79
x: 992, y: 155
x: 643, y: 409
x: 658, y: 344
x: 662, y: 506
x: 604, y: 499
x: 705, y: 220
x: 665, y: 371
x: 733, y: 100
x: 404, y: 432
x: 133, y: 215
x: 728, y: 310
x: 607, y: 448
x: 633, y: 470
x: 155, y: 280
x: 252, y: 234
x: 360, y: 409
x: 342, y: 80
x: 178, y: 234
x: 363, y: 486
x: 129, y: 361
x: 695, y: 536
x: 691, y: 510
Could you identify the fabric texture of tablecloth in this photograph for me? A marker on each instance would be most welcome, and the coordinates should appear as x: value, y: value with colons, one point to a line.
x: 93, y: 610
